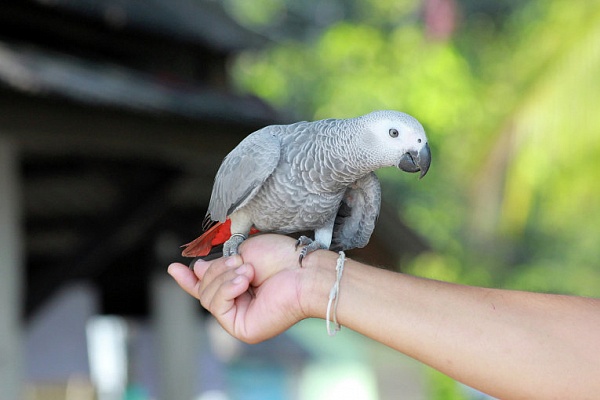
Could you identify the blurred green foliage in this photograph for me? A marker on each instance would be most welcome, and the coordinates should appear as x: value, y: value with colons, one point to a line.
x: 510, y: 102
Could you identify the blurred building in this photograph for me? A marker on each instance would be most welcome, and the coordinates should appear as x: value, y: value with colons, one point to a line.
x: 114, y: 117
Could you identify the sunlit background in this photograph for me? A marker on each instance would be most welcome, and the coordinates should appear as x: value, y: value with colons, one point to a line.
x: 509, y: 95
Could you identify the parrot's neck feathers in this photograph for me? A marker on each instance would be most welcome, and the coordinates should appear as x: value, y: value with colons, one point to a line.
x: 343, y: 151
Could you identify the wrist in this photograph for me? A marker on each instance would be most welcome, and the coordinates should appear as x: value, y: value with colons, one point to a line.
x: 318, y: 275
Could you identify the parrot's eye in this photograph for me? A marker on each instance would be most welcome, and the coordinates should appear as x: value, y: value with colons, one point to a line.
x: 394, y: 132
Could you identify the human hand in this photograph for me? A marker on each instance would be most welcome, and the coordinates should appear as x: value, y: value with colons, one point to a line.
x: 269, y: 265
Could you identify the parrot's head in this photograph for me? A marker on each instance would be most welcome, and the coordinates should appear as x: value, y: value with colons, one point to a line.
x: 397, y: 139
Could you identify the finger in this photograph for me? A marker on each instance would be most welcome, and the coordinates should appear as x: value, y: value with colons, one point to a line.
x: 229, y: 284
x: 211, y: 273
x: 185, y: 278
x: 193, y: 262
x: 228, y: 298
x: 199, y: 267
x: 207, y: 270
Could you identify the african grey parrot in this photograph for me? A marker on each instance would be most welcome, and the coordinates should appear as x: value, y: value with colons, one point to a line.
x: 310, y: 176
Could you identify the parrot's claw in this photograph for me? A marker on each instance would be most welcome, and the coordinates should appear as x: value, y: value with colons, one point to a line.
x: 303, y: 241
x: 230, y: 247
x: 309, y: 246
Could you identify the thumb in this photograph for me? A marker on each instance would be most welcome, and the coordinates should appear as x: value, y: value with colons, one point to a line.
x: 185, y: 278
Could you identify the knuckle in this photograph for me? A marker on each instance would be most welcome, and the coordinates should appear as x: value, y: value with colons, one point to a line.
x: 204, y: 301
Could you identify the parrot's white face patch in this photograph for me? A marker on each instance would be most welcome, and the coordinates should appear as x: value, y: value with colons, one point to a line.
x: 395, y: 134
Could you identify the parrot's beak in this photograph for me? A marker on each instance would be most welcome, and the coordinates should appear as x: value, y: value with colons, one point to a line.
x: 414, y: 161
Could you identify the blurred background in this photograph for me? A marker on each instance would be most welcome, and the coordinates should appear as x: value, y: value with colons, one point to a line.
x: 115, y: 115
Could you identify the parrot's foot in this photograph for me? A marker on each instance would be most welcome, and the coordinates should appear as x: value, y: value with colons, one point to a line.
x: 230, y: 247
x: 309, y: 246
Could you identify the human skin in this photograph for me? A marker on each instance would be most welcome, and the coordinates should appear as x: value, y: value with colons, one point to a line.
x: 509, y: 344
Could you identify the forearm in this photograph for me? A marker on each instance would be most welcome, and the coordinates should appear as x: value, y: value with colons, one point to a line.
x: 507, y: 343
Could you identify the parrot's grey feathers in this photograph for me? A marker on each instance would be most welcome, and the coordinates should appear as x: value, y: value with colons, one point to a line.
x: 358, y: 213
x: 315, y: 176
x: 244, y: 197
x: 243, y: 172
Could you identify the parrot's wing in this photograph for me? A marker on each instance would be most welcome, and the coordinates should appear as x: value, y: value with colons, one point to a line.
x: 358, y: 213
x: 243, y: 172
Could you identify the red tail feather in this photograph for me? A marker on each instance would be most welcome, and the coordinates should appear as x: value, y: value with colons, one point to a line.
x: 217, y: 234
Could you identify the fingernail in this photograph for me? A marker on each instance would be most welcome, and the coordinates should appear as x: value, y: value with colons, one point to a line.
x: 238, y: 279
x: 199, y: 262
x: 241, y: 270
x: 169, y: 270
x: 232, y: 261
x: 193, y: 262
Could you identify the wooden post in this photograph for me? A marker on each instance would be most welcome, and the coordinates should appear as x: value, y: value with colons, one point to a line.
x: 11, y: 273
x: 176, y: 325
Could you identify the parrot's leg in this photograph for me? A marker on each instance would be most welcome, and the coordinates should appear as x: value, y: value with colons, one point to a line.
x: 240, y: 228
x: 309, y: 246
x: 230, y: 247
x: 322, y: 240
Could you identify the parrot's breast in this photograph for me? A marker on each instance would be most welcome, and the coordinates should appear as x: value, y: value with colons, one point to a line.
x: 285, y: 207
